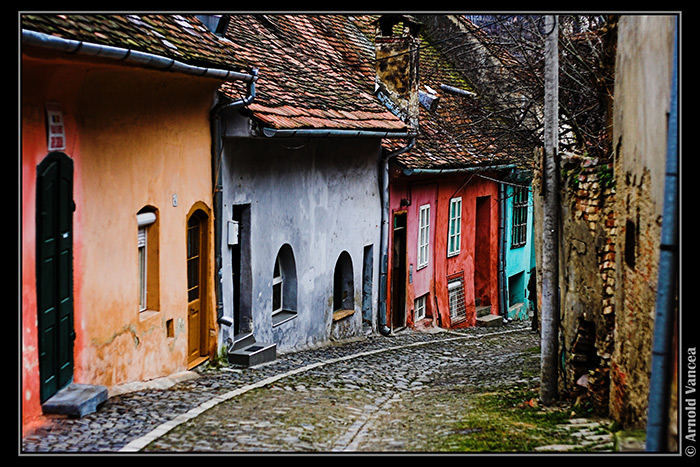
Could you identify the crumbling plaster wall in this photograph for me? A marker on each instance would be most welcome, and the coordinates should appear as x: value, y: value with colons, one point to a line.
x: 320, y: 196
x: 642, y: 90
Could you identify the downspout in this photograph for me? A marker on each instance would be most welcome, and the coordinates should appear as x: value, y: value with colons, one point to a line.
x: 661, y: 360
x: 217, y: 149
x: 502, y: 252
x: 384, y: 239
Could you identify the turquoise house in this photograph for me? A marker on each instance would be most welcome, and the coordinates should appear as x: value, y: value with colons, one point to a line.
x: 519, y: 249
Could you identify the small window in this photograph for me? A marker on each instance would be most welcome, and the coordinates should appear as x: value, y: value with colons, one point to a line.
x: 455, y: 292
x: 284, y: 286
x: 423, y: 235
x: 455, y: 227
x: 277, y: 285
x: 147, y: 247
x: 519, y: 231
x: 419, y: 308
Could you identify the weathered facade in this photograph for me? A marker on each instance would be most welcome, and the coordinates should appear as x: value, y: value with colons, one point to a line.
x: 518, y: 249
x: 642, y: 99
x: 611, y: 217
x: 300, y: 183
x: 132, y: 147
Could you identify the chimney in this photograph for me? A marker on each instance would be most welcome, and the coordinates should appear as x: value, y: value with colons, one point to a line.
x: 396, y: 82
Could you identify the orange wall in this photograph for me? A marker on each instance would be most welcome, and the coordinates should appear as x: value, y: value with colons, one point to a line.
x: 136, y: 137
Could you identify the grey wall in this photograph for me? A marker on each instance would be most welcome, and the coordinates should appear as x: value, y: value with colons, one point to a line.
x: 319, y: 195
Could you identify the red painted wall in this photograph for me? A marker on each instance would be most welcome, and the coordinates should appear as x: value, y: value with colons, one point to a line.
x: 433, y: 279
x: 136, y: 137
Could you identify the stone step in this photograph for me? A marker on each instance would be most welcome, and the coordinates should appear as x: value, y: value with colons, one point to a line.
x: 251, y: 355
x: 483, y: 310
x: 489, y: 320
x: 243, y: 340
x: 76, y: 400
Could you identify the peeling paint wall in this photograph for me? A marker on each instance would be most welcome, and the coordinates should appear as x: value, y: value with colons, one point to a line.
x: 642, y: 91
x: 137, y: 138
x: 434, y: 278
x: 320, y: 196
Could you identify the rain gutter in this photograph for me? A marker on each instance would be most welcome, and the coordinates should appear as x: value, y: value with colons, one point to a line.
x: 667, y: 286
x: 130, y: 56
x: 410, y: 172
x: 384, y: 239
x: 323, y: 132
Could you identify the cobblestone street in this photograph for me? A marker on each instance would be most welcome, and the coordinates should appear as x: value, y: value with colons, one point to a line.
x: 408, y: 392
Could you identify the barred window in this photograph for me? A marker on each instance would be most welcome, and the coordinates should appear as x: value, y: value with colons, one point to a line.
x: 519, y: 232
x: 455, y: 292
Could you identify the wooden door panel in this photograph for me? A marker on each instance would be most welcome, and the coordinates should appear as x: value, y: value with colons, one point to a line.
x: 54, y: 238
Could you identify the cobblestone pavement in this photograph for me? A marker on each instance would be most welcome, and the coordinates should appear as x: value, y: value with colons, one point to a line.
x: 340, y: 397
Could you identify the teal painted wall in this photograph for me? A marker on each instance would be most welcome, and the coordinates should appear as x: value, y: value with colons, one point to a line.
x: 519, y: 260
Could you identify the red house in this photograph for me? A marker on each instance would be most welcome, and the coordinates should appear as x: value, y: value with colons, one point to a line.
x: 444, y: 195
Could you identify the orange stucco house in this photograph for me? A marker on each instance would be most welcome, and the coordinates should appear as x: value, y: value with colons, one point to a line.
x: 117, y: 267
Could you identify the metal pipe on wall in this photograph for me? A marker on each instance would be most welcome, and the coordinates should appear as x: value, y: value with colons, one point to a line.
x: 662, y: 351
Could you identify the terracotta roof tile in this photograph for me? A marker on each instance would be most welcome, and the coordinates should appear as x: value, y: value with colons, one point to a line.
x: 315, y: 70
x: 180, y: 37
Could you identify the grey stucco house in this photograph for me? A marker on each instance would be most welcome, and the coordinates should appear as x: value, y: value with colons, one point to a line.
x: 298, y: 175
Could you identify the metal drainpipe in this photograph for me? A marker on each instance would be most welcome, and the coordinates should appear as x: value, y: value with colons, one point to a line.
x: 217, y: 148
x: 384, y: 239
x: 661, y: 364
x: 502, y: 251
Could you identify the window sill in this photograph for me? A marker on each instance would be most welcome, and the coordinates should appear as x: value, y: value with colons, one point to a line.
x: 418, y: 268
x: 340, y: 314
x: 146, y: 314
x: 513, y: 247
x: 282, y: 316
x: 454, y: 253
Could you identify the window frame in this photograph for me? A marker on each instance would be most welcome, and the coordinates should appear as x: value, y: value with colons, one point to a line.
x: 275, y: 281
x: 518, y: 234
x: 423, y: 237
x: 142, y: 245
x: 454, y: 227
x: 147, y: 221
x: 423, y: 300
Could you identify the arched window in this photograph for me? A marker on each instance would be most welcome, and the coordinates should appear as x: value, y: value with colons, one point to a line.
x: 284, y: 286
x: 343, y: 287
x: 147, y: 244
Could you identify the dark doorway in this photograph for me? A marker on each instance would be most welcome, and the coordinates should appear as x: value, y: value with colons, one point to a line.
x: 398, y: 273
x: 54, y: 271
x: 482, y: 252
x: 241, y: 271
x: 367, y: 269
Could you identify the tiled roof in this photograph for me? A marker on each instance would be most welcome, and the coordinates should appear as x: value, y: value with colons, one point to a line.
x: 180, y: 37
x: 445, y: 139
x: 316, y: 71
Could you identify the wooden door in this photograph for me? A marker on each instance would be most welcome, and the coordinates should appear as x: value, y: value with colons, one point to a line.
x: 54, y: 270
x: 196, y: 287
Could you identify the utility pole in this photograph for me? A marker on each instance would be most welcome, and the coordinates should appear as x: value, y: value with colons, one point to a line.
x: 550, y: 218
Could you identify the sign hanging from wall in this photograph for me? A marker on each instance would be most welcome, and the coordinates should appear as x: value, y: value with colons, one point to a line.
x: 55, y: 128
